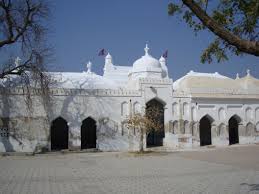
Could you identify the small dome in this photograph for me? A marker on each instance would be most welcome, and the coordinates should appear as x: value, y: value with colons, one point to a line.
x: 146, y: 63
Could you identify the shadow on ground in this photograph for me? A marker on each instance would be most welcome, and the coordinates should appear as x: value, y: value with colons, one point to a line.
x: 252, y: 187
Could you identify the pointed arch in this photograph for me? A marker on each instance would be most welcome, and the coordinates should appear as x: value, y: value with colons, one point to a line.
x: 237, y: 117
x: 233, y: 125
x: 205, y: 130
x: 210, y: 118
x: 59, y: 134
x: 155, y: 112
x: 88, y: 133
x: 157, y: 100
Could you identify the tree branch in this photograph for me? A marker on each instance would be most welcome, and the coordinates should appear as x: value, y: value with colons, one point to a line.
x: 20, y: 30
x: 251, y: 47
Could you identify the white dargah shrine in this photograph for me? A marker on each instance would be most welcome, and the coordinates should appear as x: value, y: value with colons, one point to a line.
x: 88, y: 111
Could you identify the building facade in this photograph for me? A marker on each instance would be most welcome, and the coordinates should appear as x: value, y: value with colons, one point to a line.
x: 86, y: 110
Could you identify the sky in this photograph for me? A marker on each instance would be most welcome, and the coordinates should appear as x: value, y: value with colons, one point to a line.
x: 81, y: 28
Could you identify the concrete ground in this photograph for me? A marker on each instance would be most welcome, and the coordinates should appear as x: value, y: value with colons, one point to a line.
x: 233, y: 169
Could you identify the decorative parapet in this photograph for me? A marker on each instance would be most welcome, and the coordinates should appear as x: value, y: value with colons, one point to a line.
x: 217, y: 93
x: 68, y: 92
x: 155, y: 81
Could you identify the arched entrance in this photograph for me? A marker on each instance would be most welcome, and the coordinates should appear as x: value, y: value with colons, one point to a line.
x: 233, y: 130
x: 205, y: 131
x: 88, y: 133
x: 155, y: 113
x: 59, y: 134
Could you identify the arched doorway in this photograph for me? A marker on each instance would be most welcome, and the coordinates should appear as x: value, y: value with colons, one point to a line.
x: 205, y: 131
x: 88, y: 133
x: 233, y: 130
x: 59, y: 134
x: 155, y: 113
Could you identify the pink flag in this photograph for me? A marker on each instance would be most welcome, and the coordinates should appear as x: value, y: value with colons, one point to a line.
x: 102, y: 52
x: 165, y: 54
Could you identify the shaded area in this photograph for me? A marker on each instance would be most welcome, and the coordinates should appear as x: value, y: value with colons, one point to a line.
x: 233, y: 130
x: 59, y: 134
x: 252, y: 187
x: 4, y: 134
x: 88, y: 133
x: 155, y: 136
x: 205, y: 131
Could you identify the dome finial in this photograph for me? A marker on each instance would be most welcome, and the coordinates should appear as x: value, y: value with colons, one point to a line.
x: 146, y: 49
x: 89, y: 66
x: 248, y: 72
x: 17, y: 61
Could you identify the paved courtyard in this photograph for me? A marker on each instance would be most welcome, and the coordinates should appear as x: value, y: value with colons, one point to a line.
x: 233, y: 169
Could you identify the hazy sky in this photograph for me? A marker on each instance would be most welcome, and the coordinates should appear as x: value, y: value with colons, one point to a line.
x: 81, y: 28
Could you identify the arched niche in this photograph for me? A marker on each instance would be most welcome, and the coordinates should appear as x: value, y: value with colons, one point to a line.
x: 124, y: 108
x: 185, y: 108
x: 249, y: 113
x: 222, y: 114
x: 137, y: 107
x: 175, y: 109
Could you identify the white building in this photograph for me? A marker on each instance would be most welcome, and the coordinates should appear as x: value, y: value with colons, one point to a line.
x: 88, y: 110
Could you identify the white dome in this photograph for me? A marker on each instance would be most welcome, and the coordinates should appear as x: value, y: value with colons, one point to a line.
x: 146, y: 63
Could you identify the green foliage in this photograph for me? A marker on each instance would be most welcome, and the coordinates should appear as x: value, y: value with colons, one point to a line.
x: 173, y: 8
x: 215, y: 50
x: 240, y: 17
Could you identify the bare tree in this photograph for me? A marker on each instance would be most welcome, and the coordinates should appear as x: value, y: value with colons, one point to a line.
x: 144, y: 123
x: 23, y: 26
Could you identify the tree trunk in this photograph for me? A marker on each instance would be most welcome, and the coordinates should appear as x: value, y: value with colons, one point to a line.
x: 246, y: 46
x: 141, y: 149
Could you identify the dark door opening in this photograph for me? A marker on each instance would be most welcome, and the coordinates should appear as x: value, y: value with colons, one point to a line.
x: 205, y: 131
x: 155, y: 112
x: 88, y: 133
x: 233, y: 131
x: 59, y: 134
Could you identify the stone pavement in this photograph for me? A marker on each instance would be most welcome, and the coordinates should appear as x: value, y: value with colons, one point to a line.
x: 234, y: 169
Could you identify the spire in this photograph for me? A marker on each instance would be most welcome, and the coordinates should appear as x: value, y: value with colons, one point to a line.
x: 162, y: 59
x: 89, y: 66
x: 146, y: 49
x: 248, y: 72
x: 108, y: 56
x: 17, y: 61
x: 108, y: 59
